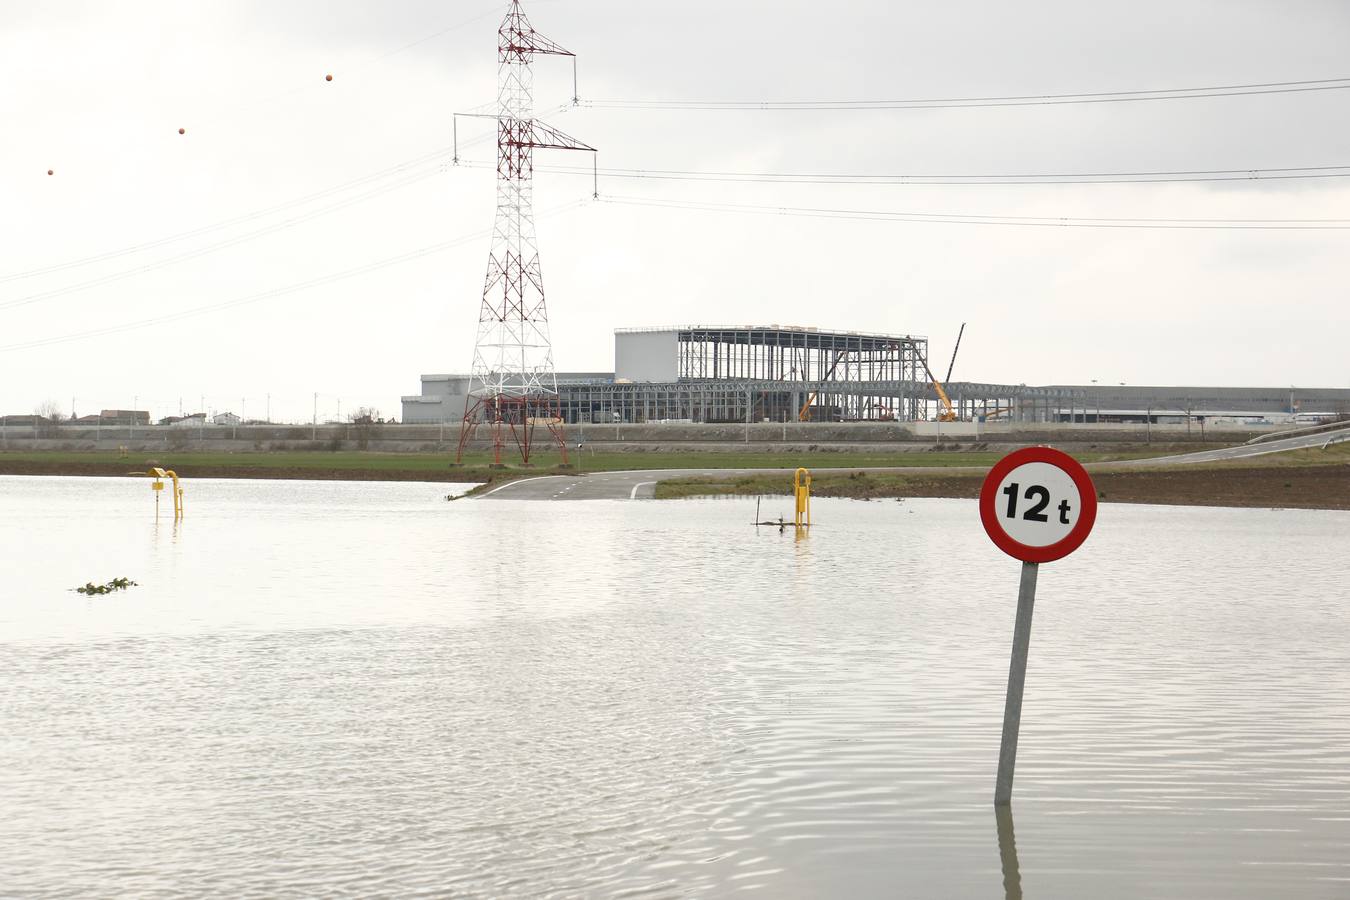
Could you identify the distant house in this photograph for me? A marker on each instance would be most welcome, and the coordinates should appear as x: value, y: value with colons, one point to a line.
x: 184, y: 421
x: 225, y: 418
x: 87, y: 420
x: 124, y: 417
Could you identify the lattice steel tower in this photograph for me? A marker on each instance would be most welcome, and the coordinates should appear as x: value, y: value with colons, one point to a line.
x: 513, y: 385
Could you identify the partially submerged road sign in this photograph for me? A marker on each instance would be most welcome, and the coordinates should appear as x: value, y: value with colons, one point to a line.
x: 1038, y: 505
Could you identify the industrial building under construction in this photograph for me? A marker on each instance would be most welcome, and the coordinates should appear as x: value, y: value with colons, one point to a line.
x: 788, y: 374
x: 758, y: 373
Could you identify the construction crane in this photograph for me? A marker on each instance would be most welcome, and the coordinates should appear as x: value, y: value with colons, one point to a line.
x: 804, y: 415
x: 948, y: 413
x: 951, y: 365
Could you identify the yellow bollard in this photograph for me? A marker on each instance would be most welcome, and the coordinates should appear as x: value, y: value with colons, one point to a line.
x: 801, y: 488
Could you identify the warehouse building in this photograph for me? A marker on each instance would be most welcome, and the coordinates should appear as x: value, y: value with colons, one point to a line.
x: 752, y: 374
x: 786, y: 373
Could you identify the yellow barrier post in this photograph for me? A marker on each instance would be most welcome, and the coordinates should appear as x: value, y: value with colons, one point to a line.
x: 160, y: 475
x: 801, y: 488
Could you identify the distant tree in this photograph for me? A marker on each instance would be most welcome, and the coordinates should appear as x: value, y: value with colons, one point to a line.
x: 50, y: 410
x: 364, y: 416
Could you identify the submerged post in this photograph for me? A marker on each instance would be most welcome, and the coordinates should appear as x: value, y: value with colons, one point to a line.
x: 1017, y: 676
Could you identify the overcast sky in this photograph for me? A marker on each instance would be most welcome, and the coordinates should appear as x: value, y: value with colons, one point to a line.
x: 96, y: 92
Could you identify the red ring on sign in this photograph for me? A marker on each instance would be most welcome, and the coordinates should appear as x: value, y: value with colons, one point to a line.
x: 1087, y: 498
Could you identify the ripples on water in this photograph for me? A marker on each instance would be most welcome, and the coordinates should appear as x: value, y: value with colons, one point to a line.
x: 360, y: 689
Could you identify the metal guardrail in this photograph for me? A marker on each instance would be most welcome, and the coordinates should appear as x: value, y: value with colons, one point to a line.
x: 1295, y: 432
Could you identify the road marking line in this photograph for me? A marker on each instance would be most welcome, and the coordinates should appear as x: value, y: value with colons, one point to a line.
x: 633, y: 496
x: 503, y: 487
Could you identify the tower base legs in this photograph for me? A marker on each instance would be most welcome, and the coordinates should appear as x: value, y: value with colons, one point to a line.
x: 513, y: 416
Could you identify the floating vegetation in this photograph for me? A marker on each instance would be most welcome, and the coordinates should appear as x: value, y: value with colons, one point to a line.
x: 117, y: 584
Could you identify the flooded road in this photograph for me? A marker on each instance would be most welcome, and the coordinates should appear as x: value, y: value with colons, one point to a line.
x: 360, y: 689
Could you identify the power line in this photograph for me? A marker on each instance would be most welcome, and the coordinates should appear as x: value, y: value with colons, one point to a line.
x: 212, y: 248
x: 1157, y: 177
x: 496, y: 9
x: 1002, y: 220
x: 442, y: 153
x: 1224, y: 90
x: 229, y: 109
x: 274, y: 292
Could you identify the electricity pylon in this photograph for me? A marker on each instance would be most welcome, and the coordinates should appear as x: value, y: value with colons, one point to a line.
x: 514, y: 386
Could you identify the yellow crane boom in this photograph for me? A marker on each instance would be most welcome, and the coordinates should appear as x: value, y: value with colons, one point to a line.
x: 805, y: 414
x: 948, y: 414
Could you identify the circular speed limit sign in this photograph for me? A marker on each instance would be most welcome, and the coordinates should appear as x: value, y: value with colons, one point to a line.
x: 1038, y: 504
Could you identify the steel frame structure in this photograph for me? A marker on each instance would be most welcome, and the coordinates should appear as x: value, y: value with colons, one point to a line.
x: 742, y: 401
x: 747, y: 373
x: 805, y: 355
x: 514, y: 386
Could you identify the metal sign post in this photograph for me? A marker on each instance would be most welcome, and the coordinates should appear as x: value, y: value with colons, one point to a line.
x: 1017, y: 677
x: 1037, y: 505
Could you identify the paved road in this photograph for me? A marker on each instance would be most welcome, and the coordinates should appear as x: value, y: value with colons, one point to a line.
x: 603, y: 485
x: 642, y: 485
x: 1248, y: 450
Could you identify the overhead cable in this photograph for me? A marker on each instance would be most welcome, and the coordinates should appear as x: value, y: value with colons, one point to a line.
x: 1001, y: 220
x: 212, y: 248
x: 1155, y: 177
x: 1134, y: 96
x: 230, y: 109
x: 274, y: 292
x: 442, y: 153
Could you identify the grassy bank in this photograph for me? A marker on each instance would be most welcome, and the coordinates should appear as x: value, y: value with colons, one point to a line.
x: 1311, y: 478
x: 351, y: 465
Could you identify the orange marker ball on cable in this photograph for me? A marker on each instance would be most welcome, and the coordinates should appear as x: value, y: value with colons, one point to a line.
x: 328, y: 78
x: 50, y: 172
x: 182, y: 131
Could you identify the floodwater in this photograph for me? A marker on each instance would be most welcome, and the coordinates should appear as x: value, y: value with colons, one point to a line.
x: 361, y: 689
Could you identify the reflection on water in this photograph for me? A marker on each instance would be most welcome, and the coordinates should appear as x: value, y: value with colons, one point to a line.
x: 1007, y: 853
x: 362, y: 689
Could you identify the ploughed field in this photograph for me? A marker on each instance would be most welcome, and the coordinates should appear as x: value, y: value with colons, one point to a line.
x: 1262, y: 482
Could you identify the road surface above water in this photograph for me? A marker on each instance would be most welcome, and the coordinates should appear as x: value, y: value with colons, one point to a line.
x: 641, y: 484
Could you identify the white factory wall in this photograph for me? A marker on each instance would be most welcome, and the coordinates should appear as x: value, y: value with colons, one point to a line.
x: 646, y: 356
x: 443, y: 399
